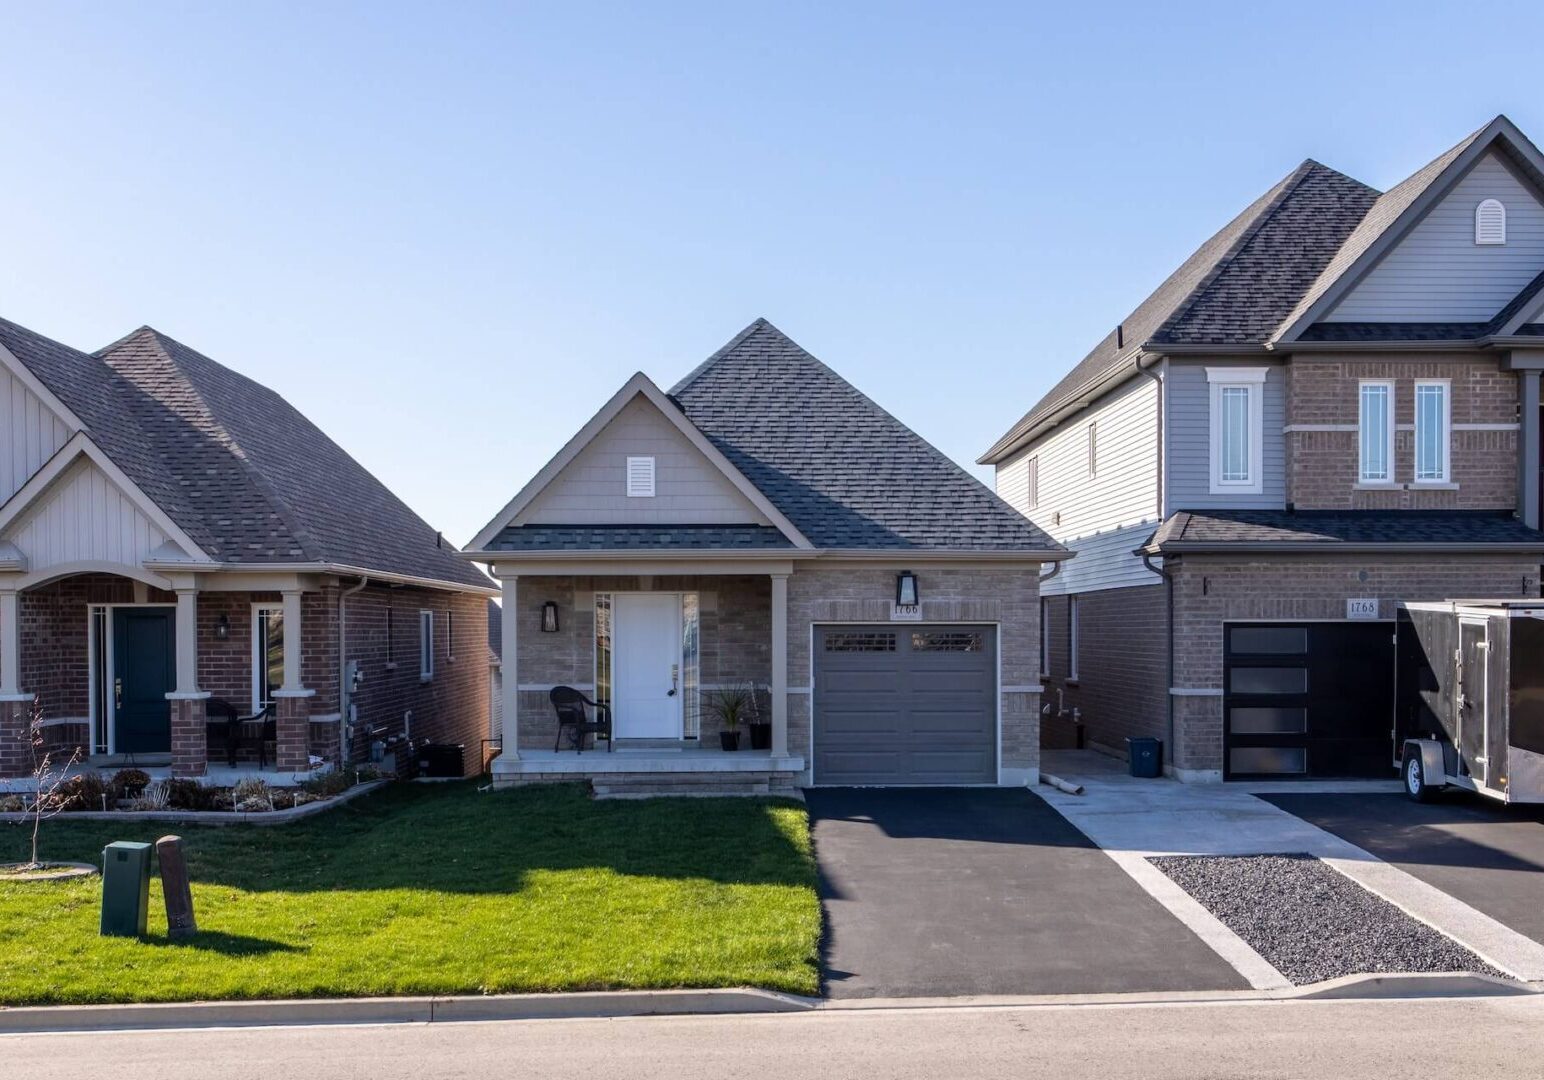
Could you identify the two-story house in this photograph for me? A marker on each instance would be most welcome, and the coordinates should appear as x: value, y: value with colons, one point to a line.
x: 1332, y: 406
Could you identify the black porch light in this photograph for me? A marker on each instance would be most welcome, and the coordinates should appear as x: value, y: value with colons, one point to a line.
x: 906, y: 589
x: 549, y: 617
x: 222, y: 627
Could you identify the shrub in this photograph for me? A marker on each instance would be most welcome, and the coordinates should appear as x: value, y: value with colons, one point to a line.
x: 128, y: 783
x: 155, y: 796
x: 328, y: 784
x: 187, y: 794
x: 83, y: 791
x: 252, y: 793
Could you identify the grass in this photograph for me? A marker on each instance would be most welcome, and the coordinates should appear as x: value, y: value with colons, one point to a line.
x: 437, y: 889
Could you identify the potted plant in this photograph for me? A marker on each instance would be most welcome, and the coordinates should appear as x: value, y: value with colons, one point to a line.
x: 730, y: 706
x: 761, y: 729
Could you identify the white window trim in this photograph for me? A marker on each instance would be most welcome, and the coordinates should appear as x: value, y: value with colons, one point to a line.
x: 450, y: 637
x: 1446, y: 443
x: 1032, y: 482
x: 257, y: 652
x: 1072, y: 639
x: 425, y: 645
x: 1045, y: 639
x: 640, y: 490
x: 1093, y: 449
x: 1253, y: 380
x: 1362, y: 479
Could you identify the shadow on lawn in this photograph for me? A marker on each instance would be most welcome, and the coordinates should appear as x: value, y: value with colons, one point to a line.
x: 455, y: 839
x: 227, y: 944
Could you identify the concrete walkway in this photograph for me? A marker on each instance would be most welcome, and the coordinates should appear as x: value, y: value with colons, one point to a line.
x: 1133, y: 819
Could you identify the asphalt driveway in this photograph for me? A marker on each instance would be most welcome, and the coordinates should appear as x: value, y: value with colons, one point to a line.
x: 1488, y: 855
x: 942, y: 892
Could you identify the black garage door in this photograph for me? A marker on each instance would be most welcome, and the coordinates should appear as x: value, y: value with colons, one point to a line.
x: 1308, y: 699
x: 898, y: 704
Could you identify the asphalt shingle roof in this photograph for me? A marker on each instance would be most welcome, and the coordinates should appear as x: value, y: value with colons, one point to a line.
x: 242, y: 472
x: 626, y: 537
x: 1338, y: 528
x: 843, y: 470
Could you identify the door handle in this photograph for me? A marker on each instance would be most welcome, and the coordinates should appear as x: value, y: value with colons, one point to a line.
x: 675, y: 672
x: 117, y: 693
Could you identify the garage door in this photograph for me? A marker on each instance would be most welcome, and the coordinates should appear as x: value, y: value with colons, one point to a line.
x: 905, y: 704
x: 1308, y: 699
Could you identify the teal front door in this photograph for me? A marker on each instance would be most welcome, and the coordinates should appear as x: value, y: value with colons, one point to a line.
x: 144, y: 672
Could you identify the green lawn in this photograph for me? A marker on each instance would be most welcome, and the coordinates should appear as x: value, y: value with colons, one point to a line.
x: 431, y: 888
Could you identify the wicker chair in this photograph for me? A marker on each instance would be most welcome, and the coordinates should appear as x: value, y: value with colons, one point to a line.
x: 570, y: 706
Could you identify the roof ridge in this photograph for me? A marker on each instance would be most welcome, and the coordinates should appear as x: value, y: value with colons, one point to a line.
x: 723, y: 350
x: 276, y: 500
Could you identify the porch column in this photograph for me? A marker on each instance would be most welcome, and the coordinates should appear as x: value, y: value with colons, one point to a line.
x: 292, y: 702
x: 15, y: 745
x: 190, y: 749
x: 509, y: 733
x: 779, y: 665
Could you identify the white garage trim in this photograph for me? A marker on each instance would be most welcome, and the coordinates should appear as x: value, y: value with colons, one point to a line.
x: 997, y: 679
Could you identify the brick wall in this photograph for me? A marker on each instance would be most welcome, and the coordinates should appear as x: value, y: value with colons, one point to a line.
x: 1211, y: 590
x: 1122, y: 690
x: 1322, y: 465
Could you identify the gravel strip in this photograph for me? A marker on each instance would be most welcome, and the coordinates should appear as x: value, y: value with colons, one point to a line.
x: 1312, y: 923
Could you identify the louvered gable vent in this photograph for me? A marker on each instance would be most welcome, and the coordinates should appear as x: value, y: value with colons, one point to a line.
x: 1490, y: 222
x: 640, y: 477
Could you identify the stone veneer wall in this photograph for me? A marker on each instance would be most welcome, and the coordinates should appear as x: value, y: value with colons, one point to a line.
x: 1211, y: 590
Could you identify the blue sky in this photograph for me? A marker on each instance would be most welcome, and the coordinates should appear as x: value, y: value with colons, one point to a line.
x: 449, y: 232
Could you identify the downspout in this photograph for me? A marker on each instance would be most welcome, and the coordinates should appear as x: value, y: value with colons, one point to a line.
x: 345, y: 691
x: 1163, y: 571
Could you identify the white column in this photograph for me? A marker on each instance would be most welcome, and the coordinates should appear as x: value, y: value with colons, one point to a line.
x: 292, y: 636
x: 187, y: 641
x: 10, y: 643
x: 779, y: 665
x: 510, y: 734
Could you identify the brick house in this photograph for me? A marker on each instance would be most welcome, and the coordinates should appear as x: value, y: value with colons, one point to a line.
x: 1332, y: 406
x: 764, y: 523
x: 178, y: 544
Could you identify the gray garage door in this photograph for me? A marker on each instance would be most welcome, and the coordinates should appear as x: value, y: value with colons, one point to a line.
x: 899, y: 704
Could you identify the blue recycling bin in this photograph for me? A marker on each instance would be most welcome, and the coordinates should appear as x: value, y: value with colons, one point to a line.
x: 1146, y: 757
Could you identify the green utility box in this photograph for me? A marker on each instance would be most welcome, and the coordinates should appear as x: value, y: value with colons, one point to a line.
x: 125, y: 888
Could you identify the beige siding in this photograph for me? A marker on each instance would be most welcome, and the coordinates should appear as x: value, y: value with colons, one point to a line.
x: 689, y: 489
x: 30, y: 434
x: 85, y: 518
x: 1439, y: 274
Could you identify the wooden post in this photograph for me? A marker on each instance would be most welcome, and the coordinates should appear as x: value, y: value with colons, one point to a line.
x: 176, y: 887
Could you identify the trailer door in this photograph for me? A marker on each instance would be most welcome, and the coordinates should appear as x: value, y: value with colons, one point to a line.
x: 1473, y: 711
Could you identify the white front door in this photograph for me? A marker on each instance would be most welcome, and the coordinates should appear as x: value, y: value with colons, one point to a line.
x: 646, y: 662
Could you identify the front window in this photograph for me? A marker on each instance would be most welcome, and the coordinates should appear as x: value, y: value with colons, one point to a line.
x: 1237, y: 410
x: 603, y: 648
x: 1376, y: 432
x: 426, y: 645
x: 267, y: 655
x: 1432, y: 413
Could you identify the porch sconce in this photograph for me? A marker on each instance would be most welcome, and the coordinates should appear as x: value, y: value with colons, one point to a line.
x: 549, y: 617
x: 906, y: 589
x: 222, y: 629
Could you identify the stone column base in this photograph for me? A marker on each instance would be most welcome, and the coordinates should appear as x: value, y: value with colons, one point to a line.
x: 190, y: 749
x: 293, y: 730
x: 15, y: 745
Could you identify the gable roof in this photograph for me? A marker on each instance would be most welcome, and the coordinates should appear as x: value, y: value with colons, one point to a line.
x: 1234, y: 289
x: 239, y: 470
x: 844, y: 471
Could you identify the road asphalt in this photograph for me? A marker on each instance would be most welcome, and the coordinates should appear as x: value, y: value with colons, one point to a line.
x: 1499, y: 1038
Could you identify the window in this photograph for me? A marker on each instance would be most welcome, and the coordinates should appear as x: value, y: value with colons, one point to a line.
x: 1032, y: 483
x: 426, y: 645
x: 1490, y: 222
x: 1269, y: 640
x: 267, y: 654
x: 640, y: 478
x: 603, y: 648
x: 1045, y: 638
x: 1432, y: 414
x: 1237, y: 415
x: 450, y: 635
x: 1093, y: 449
x: 391, y: 638
x: 1072, y: 639
x: 1268, y: 680
x: 946, y: 641
x: 854, y: 641
x: 1376, y: 432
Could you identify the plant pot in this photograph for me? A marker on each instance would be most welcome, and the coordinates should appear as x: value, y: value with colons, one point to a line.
x: 761, y: 736
x: 729, y: 740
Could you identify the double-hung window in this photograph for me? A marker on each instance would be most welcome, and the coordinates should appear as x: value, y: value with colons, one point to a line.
x: 426, y: 645
x: 1237, y: 436
x: 267, y: 654
x: 1433, y: 425
x: 1375, y: 432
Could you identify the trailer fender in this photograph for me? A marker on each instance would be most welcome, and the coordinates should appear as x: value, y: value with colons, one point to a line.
x: 1432, y: 767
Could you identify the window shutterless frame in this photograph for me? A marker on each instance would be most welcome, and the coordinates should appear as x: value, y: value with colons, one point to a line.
x: 1433, y: 431
x: 1072, y: 639
x: 1375, y: 431
x: 267, y: 653
x: 1236, y: 448
x: 426, y: 645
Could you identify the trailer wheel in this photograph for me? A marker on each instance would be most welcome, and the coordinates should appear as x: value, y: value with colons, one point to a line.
x: 1415, y: 777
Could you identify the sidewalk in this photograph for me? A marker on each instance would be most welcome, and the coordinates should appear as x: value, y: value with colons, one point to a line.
x: 1132, y: 819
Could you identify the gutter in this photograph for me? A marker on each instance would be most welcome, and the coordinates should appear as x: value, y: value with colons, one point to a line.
x: 1019, y: 555
x: 1322, y: 547
x: 345, y: 691
x: 338, y: 569
x: 1070, y: 406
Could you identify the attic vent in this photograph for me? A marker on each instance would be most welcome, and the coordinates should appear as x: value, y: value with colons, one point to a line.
x: 640, y: 477
x: 1490, y: 222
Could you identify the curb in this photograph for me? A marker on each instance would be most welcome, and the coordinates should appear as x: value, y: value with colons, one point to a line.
x: 1411, y: 985
x: 409, y: 1010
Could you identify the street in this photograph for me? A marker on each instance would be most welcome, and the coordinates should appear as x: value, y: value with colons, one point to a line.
x: 1497, y: 1038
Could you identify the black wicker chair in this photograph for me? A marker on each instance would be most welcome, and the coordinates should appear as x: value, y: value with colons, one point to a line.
x: 234, y: 732
x: 570, y: 706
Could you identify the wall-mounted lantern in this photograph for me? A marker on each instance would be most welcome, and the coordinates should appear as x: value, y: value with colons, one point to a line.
x: 222, y: 627
x: 549, y: 617
x: 906, y: 589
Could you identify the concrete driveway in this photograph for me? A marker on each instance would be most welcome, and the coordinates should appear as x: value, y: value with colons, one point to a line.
x: 1486, y: 854
x: 935, y: 892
